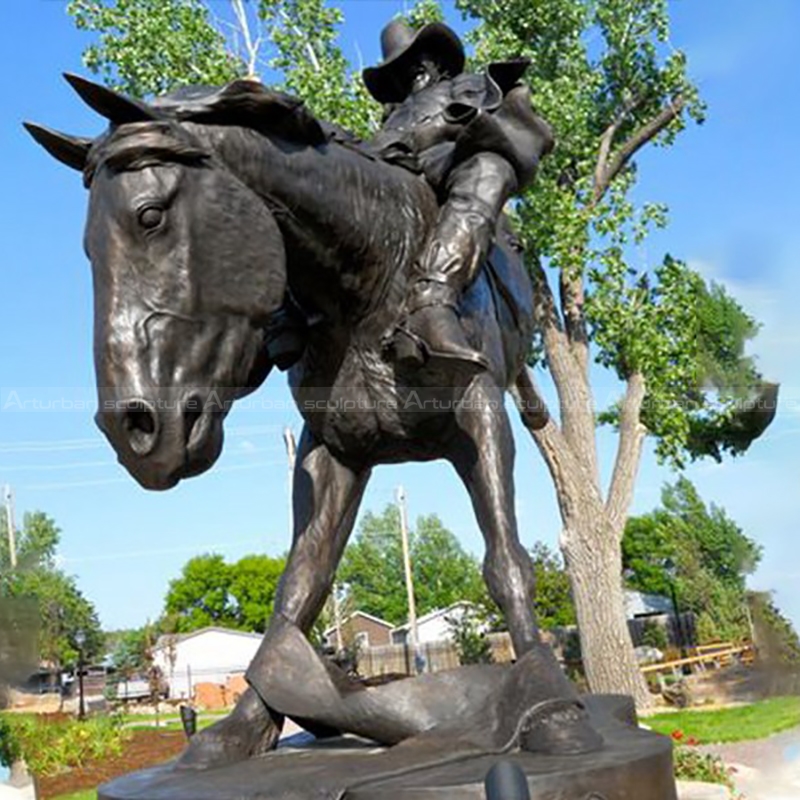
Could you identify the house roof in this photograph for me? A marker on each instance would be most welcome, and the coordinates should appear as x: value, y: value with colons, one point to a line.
x: 175, y: 638
x: 641, y: 604
x: 437, y: 612
x: 364, y: 615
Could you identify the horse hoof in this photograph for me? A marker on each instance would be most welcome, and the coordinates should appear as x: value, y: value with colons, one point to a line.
x: 246, y: 732
x: 559, y: 728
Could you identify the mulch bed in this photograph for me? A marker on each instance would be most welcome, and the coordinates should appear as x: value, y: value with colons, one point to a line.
x: 145, y: 748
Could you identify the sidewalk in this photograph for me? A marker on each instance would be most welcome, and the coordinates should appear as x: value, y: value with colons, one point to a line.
x: 766, y: 769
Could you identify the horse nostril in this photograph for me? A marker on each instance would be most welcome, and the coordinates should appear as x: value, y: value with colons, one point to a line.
x: 139, y: 422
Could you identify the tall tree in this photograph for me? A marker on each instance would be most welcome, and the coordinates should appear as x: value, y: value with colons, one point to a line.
x: 253, y: 584
x: 711, y: 554
x: 152, y: 46
x: 372, y: 567
x: 553, y: 601
x: 210, y: 591
x: 63, y: 612
x: 200, y: 597
x: 607, y: 78
x: 131, y: 650
x: 775, y: 636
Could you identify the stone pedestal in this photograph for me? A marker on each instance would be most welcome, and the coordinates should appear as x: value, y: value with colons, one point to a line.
x: 634, y: 764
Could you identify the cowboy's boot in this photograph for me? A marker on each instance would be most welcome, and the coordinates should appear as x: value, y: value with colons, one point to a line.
x: 432, y: 333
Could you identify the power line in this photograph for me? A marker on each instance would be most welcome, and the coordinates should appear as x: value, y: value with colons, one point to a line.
x: 109, y: 463
x: 67, y: 465
x: 61, y: 445
x: 123, y: 479
x: 194, y: 548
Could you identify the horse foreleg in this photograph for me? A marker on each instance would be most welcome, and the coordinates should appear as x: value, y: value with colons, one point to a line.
x: 326, y: 497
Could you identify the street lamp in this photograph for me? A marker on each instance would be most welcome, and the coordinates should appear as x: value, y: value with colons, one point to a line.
x: 80, y: 640
x: 671, y: 571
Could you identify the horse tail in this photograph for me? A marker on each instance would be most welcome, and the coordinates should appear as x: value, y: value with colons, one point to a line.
x: 531, y: 407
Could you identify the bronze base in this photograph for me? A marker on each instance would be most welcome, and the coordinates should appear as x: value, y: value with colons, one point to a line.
x: 634, y: 765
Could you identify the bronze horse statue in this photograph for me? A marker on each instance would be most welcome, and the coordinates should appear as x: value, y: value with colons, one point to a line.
x: 205, y: 208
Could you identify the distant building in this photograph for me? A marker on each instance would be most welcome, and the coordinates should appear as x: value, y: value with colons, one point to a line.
x: 639, y: 604
x: 435, y: 626
x: 208, y: 655
x: 361, y: 628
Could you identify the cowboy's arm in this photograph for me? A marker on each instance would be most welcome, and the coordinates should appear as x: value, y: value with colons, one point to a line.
x: 513, y: 131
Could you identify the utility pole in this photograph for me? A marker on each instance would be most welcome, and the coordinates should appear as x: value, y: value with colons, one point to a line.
x: 291, y: 454
x: 12, y: 534
x: 412, y: 609
x: 337, y: 618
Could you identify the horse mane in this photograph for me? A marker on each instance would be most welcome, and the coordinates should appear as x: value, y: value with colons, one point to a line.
x: 246, y: 104
x: 242, y: 103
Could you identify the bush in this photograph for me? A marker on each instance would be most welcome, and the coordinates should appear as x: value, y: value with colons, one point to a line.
x: 654, y: 635
x: 471, y: 642
x: 692, y: 765
x: 52, y: 743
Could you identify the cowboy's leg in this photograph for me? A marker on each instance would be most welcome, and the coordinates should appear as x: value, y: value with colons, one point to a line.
x: 326, y: 497
x: 476, y: 193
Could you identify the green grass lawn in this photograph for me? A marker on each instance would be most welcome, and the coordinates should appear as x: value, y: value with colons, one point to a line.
x: 86, y: 794
x: 737, y: 724
x: 170, y: 716
x: 171, y: 724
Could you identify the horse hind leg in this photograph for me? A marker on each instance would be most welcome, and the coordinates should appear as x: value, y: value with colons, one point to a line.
x: 326, y: 498
x: 483, y: 455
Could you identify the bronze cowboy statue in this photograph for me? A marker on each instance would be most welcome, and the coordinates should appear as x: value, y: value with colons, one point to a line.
x: 229, y: 230
x: 477, y: 140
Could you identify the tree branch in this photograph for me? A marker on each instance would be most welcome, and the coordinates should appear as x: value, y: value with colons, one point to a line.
x: 251, y: 47
x: 309, y: 46
x: 607, y: 140
x: 606, y: 171
x: 569, y: 372
x: 629, y: 452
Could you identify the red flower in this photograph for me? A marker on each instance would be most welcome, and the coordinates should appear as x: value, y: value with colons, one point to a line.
x: 692, y: 742
x: 677, y: 735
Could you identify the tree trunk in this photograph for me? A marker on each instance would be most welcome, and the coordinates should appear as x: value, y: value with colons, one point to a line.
x: 591, y: 540
x: 594, y: 563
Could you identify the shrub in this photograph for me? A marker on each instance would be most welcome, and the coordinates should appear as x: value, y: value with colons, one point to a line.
x: 692, y: 765
x: 654, y: 635
x: 471, y: 642
x: 52, y: 743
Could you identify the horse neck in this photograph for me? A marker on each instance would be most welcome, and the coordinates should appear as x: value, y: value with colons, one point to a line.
x: 349, y: 222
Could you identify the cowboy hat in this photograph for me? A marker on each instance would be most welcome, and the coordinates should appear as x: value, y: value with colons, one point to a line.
x: 400, y: 45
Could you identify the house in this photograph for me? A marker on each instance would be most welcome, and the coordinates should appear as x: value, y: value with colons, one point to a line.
x: 435, y: 626
x: 639, y: 604
x: 209, y: 655
x: 361, y: 629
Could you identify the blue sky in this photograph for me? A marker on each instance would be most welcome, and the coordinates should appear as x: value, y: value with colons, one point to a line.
x: 732, y: 188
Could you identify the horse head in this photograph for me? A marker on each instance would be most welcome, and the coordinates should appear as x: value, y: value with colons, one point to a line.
x: 188, y: 264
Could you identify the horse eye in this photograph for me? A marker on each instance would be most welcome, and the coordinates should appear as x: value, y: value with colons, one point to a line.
x: 151, y: 217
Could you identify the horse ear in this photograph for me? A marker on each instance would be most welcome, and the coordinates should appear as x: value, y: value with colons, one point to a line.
x: 69, y: 150
x: 116, y: 108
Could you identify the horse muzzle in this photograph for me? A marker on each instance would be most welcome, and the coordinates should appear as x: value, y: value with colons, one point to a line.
x: 160, y: 441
